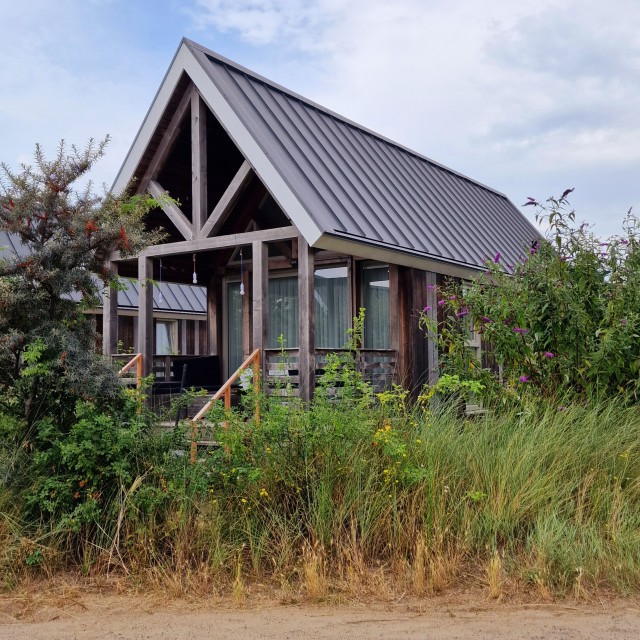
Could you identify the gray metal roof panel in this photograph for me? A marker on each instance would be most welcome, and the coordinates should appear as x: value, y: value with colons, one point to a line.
x: 175, y: 297
x: 353, y: 182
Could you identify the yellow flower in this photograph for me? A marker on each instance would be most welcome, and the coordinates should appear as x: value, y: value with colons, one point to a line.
x: 268, y: 449
x: 264, y: 493
x: 244, y: 501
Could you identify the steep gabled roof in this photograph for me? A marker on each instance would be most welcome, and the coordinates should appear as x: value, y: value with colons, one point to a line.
x: 343, y: 186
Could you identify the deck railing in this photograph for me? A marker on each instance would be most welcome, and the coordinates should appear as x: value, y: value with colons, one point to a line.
x: 225, y: 391
x: 137, y: 361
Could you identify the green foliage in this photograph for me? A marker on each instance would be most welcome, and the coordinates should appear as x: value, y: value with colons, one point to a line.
x: 45, y: 289
x: 565, y: 320
x: 78, y: 469
x: 364, y: 483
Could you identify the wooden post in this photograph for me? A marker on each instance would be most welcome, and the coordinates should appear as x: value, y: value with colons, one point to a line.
x: 214, y: 316
x: 145, y: 313
x: 398, y: 322
x: 110, y: 314
x: 260, y: 292
x: 198, y: 163
x: 306, y: 320
x: 247, y: 323
x: 135, y: 335
x: 182, y: 323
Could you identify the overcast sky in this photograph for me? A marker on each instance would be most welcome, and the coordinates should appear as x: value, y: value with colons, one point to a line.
x: 529, y: 97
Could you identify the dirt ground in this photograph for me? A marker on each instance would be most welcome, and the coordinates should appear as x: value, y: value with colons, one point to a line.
x: 75, y: 616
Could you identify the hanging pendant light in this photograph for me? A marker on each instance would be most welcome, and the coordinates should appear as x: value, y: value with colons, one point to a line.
x: 195, y: 275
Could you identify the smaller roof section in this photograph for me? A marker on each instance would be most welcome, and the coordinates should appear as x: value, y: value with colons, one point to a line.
x: 167, y: 296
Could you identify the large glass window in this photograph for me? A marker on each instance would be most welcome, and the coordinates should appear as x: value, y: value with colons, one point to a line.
x: 375, y: 300
x: 331, y: 307
x: 166, y: 337
x: 283, y: 311
x: 234, y: 327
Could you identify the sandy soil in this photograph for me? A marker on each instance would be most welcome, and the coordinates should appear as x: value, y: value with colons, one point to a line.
x: 127, y: 617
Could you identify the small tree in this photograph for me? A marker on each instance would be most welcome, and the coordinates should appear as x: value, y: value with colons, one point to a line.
x: 47, y: 344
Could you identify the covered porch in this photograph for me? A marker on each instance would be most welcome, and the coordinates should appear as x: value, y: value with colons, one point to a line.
x: 268, y: 290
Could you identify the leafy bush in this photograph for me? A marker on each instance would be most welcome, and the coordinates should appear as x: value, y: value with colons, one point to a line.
x: 565, y: 319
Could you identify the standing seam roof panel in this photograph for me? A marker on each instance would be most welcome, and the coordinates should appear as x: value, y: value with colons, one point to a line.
x: 458, y: 193
x: 440, y: 182
x: 384, y: 192
x: 432, y: 218
x: 357, y: 182
x: 424, y: 212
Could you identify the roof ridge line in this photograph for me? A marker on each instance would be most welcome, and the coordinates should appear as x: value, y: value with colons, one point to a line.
x: 333, y: 114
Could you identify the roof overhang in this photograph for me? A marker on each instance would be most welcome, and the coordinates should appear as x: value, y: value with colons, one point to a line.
x: 393, y: 255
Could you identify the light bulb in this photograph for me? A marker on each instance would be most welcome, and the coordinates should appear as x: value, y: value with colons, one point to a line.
x: 242, y: 288
x: 195, y: 278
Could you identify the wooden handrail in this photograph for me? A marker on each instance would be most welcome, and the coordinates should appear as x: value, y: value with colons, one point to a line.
x: 137, y: 360
x: 225, y: 390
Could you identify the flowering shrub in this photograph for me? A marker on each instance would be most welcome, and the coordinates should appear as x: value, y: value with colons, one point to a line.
x: 565, y: 318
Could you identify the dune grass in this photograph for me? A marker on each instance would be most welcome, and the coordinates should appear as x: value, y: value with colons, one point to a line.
x: 367, y: 496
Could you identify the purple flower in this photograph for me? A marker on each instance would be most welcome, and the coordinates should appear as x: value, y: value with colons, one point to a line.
x: 496, y: 258
x: 486, y: 319
x: 520, y: 330
x: 534, y: 247
x: 452, y: 297
x: 604, y: 244
x: 431, y: 287
x: 548, y: 354
x: 440, y: 302
x: 624, y: 321
x: 524, y: 378
x: 566, y: 193
x: 462, y: 313
x: 428, y: 308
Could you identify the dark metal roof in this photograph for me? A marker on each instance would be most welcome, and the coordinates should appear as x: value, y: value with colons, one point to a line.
x: 178, y: 298
x: 9, y: 242
x: 182, y: 298
x: 360, y: 186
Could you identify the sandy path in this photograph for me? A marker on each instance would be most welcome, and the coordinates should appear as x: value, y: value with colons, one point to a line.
x: 131, y: 618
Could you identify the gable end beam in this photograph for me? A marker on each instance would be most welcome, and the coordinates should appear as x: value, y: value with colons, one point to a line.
x: 172, y: 210
x: 198, y: 162
x: 168, y: 140
x: 237, y: 185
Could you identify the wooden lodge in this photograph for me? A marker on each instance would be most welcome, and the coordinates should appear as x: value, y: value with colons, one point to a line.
x: 294, y: 218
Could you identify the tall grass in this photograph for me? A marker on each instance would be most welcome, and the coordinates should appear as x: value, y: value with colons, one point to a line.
x: 357, y: 496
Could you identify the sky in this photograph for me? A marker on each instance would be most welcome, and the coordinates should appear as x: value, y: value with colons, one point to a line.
x: 528, y: 97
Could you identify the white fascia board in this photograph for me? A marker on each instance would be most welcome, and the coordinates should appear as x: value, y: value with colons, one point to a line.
x: 260, y: 162
x: 383, y: 254
x: 150, y: 123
